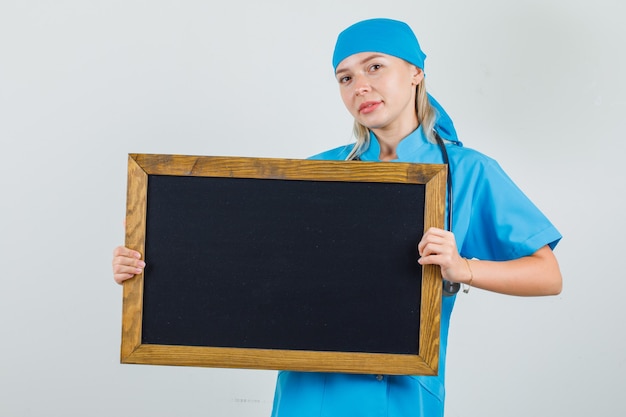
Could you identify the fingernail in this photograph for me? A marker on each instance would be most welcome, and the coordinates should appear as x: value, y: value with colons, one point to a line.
x: 142, y: 264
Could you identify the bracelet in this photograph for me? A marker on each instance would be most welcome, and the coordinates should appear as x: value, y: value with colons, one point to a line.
x: 469, y: 284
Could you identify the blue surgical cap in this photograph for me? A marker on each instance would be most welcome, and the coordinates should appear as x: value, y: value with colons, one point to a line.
x: 395, y: 38
x: 386, y: 36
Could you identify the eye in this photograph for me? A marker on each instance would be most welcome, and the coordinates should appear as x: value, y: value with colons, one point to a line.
x: 374, y: 67
x: 344, y: 79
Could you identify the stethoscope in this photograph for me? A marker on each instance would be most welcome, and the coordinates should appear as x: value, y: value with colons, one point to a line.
x: 449, y: 288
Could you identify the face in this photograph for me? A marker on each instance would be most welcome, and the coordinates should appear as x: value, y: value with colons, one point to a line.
x: 379, y: 91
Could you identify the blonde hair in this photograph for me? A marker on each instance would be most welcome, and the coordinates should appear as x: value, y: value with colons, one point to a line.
x: 426, y: 117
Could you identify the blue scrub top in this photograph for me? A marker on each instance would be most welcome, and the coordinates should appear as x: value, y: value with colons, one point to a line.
x: 493, y: 220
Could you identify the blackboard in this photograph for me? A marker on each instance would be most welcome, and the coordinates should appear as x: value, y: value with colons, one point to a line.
x: 282, y: 264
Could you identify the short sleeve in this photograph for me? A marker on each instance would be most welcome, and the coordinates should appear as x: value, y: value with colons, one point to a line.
x: 503, y: 223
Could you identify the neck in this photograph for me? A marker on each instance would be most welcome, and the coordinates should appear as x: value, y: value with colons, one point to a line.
x: 389, y: 138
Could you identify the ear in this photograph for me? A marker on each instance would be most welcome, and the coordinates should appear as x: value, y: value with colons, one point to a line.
x: 417, y: 75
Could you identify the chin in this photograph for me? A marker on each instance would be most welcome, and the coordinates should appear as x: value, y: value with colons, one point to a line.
x: 370, y: 124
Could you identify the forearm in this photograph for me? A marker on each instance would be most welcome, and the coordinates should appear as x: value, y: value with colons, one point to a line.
x: 534, y: 275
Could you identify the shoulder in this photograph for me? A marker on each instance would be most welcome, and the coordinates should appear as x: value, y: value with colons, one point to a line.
x: 468, y: 160
x: 336, y: 154
x: 471, y: 155
x: 477, y: 174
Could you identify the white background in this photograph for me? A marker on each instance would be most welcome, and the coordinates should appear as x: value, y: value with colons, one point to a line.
x: 538, y: 85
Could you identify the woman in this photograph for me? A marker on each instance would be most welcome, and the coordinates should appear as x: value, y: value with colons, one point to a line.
x: 499, y: 240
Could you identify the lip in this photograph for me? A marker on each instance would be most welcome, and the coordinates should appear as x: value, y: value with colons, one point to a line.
x: 369, y: 106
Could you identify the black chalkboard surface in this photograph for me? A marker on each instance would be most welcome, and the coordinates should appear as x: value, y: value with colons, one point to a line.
x: 282, y: 264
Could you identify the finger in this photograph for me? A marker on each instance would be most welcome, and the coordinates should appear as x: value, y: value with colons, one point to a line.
x: 426, y: 239
x: 125, y: 252
x: 128, y: 265
x: 432, y: 242
x: 433, y: 249
x: 120, y: 278
x: 122, y: 272
x: 433, y: 259
x: 434, y: 231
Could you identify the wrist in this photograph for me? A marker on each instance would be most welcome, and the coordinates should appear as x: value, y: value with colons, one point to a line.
x: 468, y: 284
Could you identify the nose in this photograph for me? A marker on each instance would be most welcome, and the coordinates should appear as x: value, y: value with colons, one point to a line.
x: 361, y: 85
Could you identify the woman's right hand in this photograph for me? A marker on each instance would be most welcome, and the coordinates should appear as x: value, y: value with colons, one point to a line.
x: 126, y: 264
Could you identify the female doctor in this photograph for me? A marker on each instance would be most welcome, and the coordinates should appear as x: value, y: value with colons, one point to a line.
x: 499, y: 240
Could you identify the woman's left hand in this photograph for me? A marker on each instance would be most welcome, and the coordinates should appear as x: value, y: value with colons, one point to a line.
x: 532, y: 275
x: 438, y: 247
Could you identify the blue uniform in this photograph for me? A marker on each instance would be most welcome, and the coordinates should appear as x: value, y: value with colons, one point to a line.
x: 493, y: 220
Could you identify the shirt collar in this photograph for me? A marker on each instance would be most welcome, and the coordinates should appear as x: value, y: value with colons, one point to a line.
x: 406, y: 150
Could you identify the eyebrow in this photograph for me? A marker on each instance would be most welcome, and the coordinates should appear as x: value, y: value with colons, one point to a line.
x: 363, y: 61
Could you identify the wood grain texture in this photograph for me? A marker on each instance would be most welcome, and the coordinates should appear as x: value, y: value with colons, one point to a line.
x: 140, y: 166
x: 434, y: 212
x: 286, y: 169
x: 306, y: 361
x: 136, y: 206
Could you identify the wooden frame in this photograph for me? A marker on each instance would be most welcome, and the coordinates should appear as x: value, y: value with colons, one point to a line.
x: 142, y: 166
